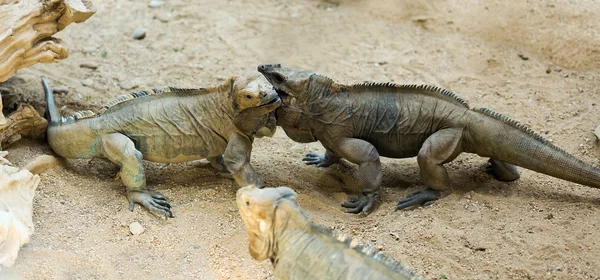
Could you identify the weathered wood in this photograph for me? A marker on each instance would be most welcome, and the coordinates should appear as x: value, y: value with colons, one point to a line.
x: 24, y: 122
x: 26, y: 28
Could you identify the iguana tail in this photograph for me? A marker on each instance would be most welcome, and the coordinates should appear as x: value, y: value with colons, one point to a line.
x: 51, y: 111
x: 493, y: 135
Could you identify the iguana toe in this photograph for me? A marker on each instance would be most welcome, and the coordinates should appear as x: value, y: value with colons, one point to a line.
x: 319, y: 160
x: 153, y: 202
x: 424, y: 197
x: 362, y: 205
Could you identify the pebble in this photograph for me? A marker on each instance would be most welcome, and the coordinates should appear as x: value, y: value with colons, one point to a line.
x: 87, y: 82
x: 597, y: 132
x: 136, y: 228
x: 61, y: 89
x: 163, y: 17
x: 155, y: 3
x: 139, y: 33
x: 89, y: 50
x: 127, y: 85
x: 523, y: 56
x: 220, y: 78
x: 89, y: 65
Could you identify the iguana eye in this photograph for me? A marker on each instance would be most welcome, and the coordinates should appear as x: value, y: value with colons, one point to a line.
x: 249, y: 96
x: 247, y: 203
x: 278, y: 78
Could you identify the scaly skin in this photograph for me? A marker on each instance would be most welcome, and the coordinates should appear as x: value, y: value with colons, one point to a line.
x: 279, y: 231
x: 173, y: 125
x: 362, y: 122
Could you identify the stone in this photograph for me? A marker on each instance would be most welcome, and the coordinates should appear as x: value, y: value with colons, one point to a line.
x: 136, y: 228
x: 60, y: 90
x: 139, y: 33
x: 87, y: 82
x: 127, y: 85
x: 155, y: 3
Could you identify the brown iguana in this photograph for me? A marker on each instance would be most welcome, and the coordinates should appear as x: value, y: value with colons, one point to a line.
x: 364, y: 121
x: 170, y: 125
x: 298, y: 249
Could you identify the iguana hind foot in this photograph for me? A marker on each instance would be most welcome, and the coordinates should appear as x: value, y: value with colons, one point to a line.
x: 362, y: 204
x: 424, y: 197
x: 154, y: 202
x: 502, y: 171
x: 321, y: 160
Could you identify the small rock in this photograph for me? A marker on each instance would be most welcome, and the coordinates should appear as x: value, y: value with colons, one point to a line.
x: 61, y: 90
x: 163, y: 17
x: 597, y: 132
x: 220, y: 78
x: 127, y: 85
x: 136, y: 228
x: 139, y: 33
x: 155, y: 3
x: 87, y: 82
x: 4, y: 90
x: 523, y: 56
x: 89, y: 65
x: 89, y: 50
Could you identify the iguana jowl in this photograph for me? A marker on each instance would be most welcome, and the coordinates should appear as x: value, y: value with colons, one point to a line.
x: 170, y: 125
x: 298, y: 249
x: 364, y: 121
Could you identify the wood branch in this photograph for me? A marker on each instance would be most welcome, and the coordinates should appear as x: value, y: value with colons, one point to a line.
x: 24, y: 122
x: 26, y: 28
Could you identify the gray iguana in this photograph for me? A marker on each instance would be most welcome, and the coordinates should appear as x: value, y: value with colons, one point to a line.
x: 298, y: 249
x: 364, y: 121
x: 170, y: 125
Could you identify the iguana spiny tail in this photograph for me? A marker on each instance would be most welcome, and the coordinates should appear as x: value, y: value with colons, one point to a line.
x: 362, y: 122
x: 170, y: 125
x: 298, y: 249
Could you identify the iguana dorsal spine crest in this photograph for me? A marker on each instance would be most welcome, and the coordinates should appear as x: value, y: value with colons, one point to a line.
x: 426, y: 89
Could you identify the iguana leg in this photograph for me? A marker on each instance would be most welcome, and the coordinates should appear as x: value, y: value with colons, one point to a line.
x: 218, y: 163
x: 439, y: 148
x: 369, y: 172
x: 121, y: 150
x: 237, y: 161
x: 321, y: 160
x: 503, y: 171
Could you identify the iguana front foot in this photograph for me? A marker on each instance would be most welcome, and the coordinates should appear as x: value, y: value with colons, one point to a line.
x: 153, y: 202
x: 362, y: 204
x: 424, y: 197
x: 320, y: 160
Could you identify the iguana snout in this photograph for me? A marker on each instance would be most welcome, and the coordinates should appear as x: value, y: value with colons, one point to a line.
x: 286, y: 81
x: 258, y: 208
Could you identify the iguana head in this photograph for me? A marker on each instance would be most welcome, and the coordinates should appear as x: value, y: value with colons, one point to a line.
x: 288, y: 82
x: 258, y: 209
x: 251, y: 91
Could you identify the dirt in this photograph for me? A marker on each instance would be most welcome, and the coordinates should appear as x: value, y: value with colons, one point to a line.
x: 536, y: 61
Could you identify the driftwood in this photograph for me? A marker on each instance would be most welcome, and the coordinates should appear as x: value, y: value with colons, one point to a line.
x: 26, y: 28
x: 24, y: 122
x: 17, y: 188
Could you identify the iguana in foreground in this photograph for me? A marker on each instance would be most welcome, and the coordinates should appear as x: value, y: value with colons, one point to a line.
x: 364, y: 121
x: 298, y: 249
x: 170, y: 125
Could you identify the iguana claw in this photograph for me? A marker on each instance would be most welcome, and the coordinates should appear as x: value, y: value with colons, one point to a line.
x: 319, y: 160
x: 153, y: 202
x: 362, y: 205
x: 424, y: 197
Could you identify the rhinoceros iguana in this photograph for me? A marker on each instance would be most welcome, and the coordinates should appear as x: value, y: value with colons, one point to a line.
x: 170, y: 125
x: 365, y: 121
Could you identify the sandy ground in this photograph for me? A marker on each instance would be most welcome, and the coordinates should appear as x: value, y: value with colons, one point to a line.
x: 535, y: 228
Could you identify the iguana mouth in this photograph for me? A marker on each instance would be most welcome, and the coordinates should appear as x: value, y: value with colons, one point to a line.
x: 273, y: 101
